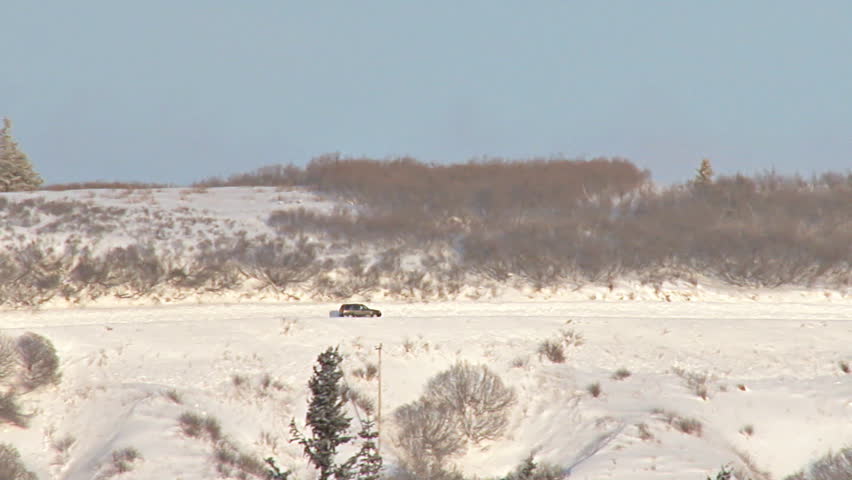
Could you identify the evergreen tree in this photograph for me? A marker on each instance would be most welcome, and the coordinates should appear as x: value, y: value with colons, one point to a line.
x: 724, y: 474
x: 704, y: 175
x: 326, y: 417
x: 530, y: 470
x: 368, y: 460
x: 16, y: 172
x: 329, y: 426
x: 275, y: 473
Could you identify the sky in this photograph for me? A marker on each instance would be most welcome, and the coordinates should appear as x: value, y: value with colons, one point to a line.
x: 176, y: 92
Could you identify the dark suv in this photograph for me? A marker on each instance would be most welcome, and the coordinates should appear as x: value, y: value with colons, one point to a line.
x: 358, y: 310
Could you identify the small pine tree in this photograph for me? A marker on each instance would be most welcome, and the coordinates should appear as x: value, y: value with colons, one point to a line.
x: 16, y: 172
x: 724, y: 474
x: 326, y: 417
x: 704, y: 174
x: 530, y: 470
x: 524, y: 471
x: 274, y: 472
x: 329, y: 426
x: 368, y: 460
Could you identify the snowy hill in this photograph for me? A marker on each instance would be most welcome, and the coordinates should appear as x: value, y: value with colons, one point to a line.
x: 657, y: 383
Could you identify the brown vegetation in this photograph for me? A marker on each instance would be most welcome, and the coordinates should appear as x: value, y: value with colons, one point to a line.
x: 11, y: 466
x: 103, y: 185
x: 540, y: 223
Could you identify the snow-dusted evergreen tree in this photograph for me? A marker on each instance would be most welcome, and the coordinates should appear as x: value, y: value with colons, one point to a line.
x: 368, y: 460
x: 326, y: 415
x: 529, y: 469
x: 329, y: 425
x: 16, y: 172
x: 704, y: 175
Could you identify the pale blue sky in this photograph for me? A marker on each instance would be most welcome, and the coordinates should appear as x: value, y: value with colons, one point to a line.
x: 177, y: 91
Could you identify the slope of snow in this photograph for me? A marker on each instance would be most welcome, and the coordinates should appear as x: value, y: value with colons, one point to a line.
x: 769, y: 360
x: 154, y: 216
x: 770, y: 365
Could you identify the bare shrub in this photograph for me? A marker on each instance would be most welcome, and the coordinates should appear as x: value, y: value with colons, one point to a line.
x: 368, y: 372
x: 64, y: 443
x: 360, y: 400
x: 104, y: 185
x: 288, y: 325
x: 123, y: 460
x: 697, y: 382
x: 62, y: 448
x: 8, y: 357
x: 270, y: 175
x: 238, y: 380
x: 747, y: 430
x: 540, y: 222
x: 32, y: 274
x: 832, y: 466
x: 213, y: 270
x: 174, y: 396
x: 571, y: 337
x: 621, y: 374
x: 520, y: 362
x: 748, y: 468
x: 265, y: 381
x: 278, y: 265
x: 230, y: 461
x: 10, y: 411
x: 127, y: 272
x: 196, y: 426
x: 690, y: 426
x: 844, y: 366
x: 371, y: 370
x: 476, y: 396
x: 485, y: 188
x: 38, y: 359
x: 11, y: 466
x: 594, y: 389
x: 191, y: 424
x: 212, y: 428
x: 644, y: 432
x: 233, y: 463
x: 734, y: 236
x: 403, y: 471
x: 686, y: 425
x: 135, y: 268
x: 552, y: 350
x: 427, y: 435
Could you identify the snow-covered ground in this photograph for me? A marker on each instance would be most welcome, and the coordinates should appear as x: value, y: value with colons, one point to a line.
x: 772, y: 369
x: 770, y: 361
x: 104, y: 218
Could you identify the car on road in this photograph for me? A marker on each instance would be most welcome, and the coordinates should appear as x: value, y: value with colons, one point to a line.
x: 358, y: 310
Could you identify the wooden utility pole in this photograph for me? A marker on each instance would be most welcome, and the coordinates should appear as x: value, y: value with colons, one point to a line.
x: 379, y: 407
